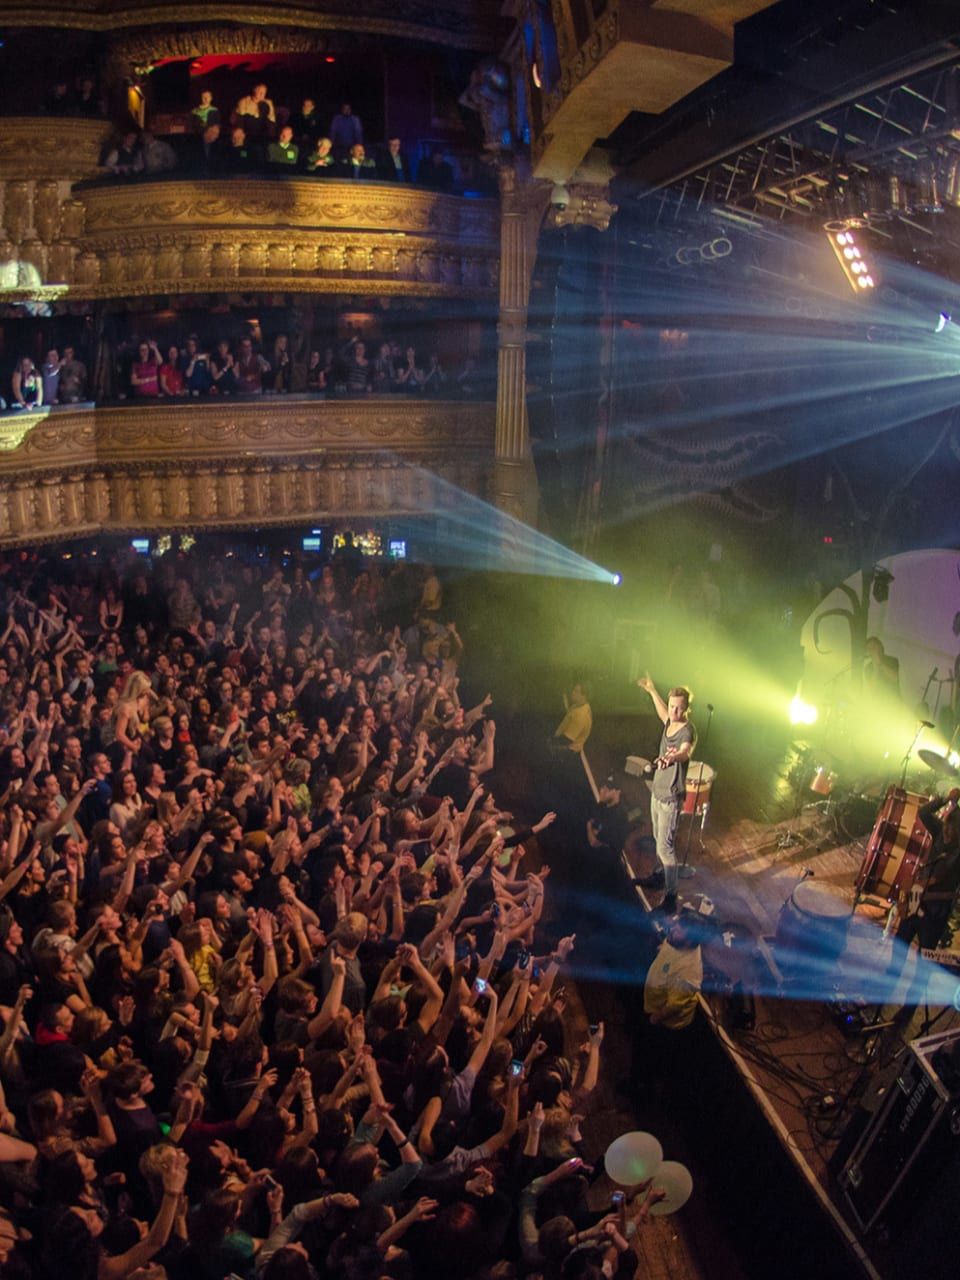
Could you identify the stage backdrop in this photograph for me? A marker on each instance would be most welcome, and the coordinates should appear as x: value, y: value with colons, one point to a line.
x: 915, y: 624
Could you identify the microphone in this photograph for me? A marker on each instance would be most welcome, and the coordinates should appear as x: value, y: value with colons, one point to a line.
x: 927, y: 724
x: 710, y: 707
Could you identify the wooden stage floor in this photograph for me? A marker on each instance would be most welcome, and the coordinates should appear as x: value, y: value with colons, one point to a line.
x: 797, y: 1062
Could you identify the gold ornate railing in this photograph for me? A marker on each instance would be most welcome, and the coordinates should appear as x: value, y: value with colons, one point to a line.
x: 458, y: 23
x: 59, y: 236
x: 308, y: 235
x: 274, y: 461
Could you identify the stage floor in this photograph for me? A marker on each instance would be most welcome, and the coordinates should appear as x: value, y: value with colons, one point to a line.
x: 798, y: 1063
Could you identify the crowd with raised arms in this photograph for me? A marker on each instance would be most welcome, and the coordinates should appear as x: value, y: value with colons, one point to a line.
x: 279, y: 994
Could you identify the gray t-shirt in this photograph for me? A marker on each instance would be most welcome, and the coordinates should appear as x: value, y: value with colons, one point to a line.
x: 670, y: 783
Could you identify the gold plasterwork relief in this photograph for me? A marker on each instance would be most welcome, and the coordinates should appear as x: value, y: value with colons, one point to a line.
x: 155, y: 467
x: 457, y: 23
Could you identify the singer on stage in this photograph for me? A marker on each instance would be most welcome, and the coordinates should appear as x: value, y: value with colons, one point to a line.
x: 677, y: 744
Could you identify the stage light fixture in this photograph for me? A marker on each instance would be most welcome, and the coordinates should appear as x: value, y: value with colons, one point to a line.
x: 617, y: 579
x: 851, y: 256
x: 942, y: 321
x: 802, y: 712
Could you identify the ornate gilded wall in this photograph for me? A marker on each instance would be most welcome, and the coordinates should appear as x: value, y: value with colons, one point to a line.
x: 297, y: 235
x: 304, y: 235
x: 466, y: 24
x: 158, y: 467
x: 40, y: 221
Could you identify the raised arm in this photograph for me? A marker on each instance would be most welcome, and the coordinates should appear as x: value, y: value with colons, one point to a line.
x: 648, y: 686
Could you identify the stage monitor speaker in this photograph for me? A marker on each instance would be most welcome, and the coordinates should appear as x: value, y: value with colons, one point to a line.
x: 912, y: 1141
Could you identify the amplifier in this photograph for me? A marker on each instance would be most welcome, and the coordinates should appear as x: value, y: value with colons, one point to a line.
x: 913, y: 1133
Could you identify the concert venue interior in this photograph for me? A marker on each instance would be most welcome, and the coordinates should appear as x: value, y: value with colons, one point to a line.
x: 479, y: 639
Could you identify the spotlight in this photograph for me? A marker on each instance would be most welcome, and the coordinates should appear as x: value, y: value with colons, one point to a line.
x: 942, y: 321
x: 850, y: 255
x: 617, y: 579
x: 802, y: 712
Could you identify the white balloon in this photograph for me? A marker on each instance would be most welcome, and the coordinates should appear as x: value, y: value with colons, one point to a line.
x: 673, y: 1178
x: 633, y: 1158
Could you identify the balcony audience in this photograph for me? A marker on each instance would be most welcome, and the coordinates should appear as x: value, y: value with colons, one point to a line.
x: 50, y: 372
x: 26, y: 385
x: 346, y: 130
x: 126, y: 157
x: 145, y: 372
x: 73, y: 378
x: 436, y: 172
x: 250, y: 368
x: 256, y: 113
x: 284, y: 152
x: 157, y: 156
x: 241, y: 157
x: 358, y: 165
x: 306, y: 124
x: 196, y: 368
x: 172, y: 380
x: 205, y: 113
x: 393, y: 165
x: 321, y: 160
x: 206, y: 153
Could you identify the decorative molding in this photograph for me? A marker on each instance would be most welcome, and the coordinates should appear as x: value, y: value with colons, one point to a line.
x: 588, y: 206
x: 52, y: 148
x: 448, y: 22
x: 145, y: 468
x: 308, y: 236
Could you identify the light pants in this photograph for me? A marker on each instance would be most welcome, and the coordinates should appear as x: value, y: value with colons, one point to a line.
x: 664, y: 816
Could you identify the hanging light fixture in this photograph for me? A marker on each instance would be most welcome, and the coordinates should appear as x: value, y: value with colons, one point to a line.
x: 927, y: 193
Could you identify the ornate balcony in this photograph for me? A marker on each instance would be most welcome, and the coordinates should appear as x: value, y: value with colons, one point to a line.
x: 148, y: 468
x: 299, y: 234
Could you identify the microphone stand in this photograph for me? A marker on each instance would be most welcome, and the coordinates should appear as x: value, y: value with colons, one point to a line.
x: 684, y: 870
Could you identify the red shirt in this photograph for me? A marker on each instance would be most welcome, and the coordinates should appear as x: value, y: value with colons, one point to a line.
x: 149, y: 374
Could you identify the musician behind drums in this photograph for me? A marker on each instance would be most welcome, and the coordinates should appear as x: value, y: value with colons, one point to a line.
x: 677, y: 744
x: 941, y: 875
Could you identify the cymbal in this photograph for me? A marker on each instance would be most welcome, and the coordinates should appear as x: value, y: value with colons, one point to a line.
x: 938, y: 763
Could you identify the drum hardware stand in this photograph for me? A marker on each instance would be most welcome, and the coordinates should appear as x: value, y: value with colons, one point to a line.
x: 685, y: 871
x: 921, y: 725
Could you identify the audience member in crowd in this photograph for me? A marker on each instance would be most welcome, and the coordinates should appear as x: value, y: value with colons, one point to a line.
x: 86, y: 100
x: 346, y: 130
x: 321, y: 159
x: 223, y: 370
x: 50, y: 372
x: 157, y: 156
x: 58, y: 101
x: 306, y: 124
x: 436, y: 172
x: 126, y: 157
x: 281, y: 368
x: 256, y: 114
x: 172, y: 381
x: 205, y: 114
x: 321, y: 1031
x: 145, y: 372
x: 26, y: 385
x: 357, y: 165
x: 73, y: 377
x: 394, y: 165
x: 316, y: 374
x: 195, y: 366
x: 249, y: 368
x: 358, y: 370
x: 410, y: 377
x: 284, y: 152
x: 435, y: 382
x: 207, y: 152
x: 241, y: 156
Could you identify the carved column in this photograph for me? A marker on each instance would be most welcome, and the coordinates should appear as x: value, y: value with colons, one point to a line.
x: 522, y: 205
